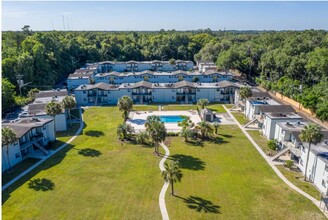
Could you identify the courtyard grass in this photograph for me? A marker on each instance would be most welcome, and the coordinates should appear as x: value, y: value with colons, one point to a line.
x: 297, y: 179
x: 95, y: 177
x: 240, y: 117
x: 228, y: 179
x: 262, y: 142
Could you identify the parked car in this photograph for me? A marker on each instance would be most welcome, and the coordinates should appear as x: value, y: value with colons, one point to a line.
x: 23, y: 114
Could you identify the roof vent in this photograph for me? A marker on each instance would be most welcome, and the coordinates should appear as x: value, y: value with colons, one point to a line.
x: 287, y: 122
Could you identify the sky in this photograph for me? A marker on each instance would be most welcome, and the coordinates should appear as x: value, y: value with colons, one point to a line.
x: 124, y: 16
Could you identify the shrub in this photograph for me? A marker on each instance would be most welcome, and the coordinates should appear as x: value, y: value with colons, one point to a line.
x: 272, y: 144
x: 172, y: 134
x: 289, y: 164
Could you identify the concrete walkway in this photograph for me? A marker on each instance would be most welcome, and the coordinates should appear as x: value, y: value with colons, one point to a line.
x: 46, y: 157
x: 275, y: 169
x: 162, y: 205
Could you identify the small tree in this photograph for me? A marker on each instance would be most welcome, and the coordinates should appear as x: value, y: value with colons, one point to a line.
x: 172, y: 173
x: 216, y: 127
x: 156, y: 130
x: 141, y: 137
x: 204, y: 128
x: 31, y: 94
x: 123, y: 130
x: 53, y: 109
x: 312, y: 135
x: 172, y: 61
x: 186, y: 133
x: 289, y: 164
x: 8, y: 137
x: 69, y: 103
x: 245, y: 92
x: 272, y: 144
x: 186, y: 122
x: 203, y: 103
x: 125, y: 104
x: 195, y: 79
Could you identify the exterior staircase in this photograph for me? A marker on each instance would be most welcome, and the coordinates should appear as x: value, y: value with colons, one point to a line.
x: 280, y: 153
x: 45, y: 151
x: 251, y: 122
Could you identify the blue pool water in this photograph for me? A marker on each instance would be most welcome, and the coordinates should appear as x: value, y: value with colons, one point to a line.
x: 170, y: 118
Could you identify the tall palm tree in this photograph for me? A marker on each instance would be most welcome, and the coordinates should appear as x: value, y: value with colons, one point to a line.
x: 203, y: 103
x: 156, y: 130
x: 245, y: 92
x: 69, y: 103
x: 123, y: 130
x: 125, y: 104
x: 312, y: 135
x: 204, y: 128
x: 8, y: 137
x: 172, y: 173
x: 53, y: 109
x: 216, y: 127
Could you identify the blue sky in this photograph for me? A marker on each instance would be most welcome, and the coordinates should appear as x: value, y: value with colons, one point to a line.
x: 87, y: 15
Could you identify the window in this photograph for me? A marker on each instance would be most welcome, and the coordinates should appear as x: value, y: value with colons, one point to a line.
x: 44, y: 127
x: 17, y: 155
x: 301, y: 162
x: 323, y: 183
x: 173, y: 97
x: 303, y: 149
x: 326, y: 167
x: 85, y: 99
x: 83, y: 92
x: 198, y: 90
x: 218, y: 90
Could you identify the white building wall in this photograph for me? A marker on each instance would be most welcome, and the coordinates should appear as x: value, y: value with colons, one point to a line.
x: 320, y: 176
x: 14, y: 155
x: 60, y: 120
x: 49, y: 132
x: 166, y: 95
x: 269, y: 125
x: 74, y: 83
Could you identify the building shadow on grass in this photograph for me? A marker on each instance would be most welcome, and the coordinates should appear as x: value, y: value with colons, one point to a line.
x: 189, y: 162
x: 41, y: 184
x: 89, y: 152
x: 94, y: 133
x: 51, y: 162
x: 201, y: 205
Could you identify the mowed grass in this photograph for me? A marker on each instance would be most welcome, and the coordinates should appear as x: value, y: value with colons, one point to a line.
x: 95, y: 177
x: 218, y: 108
x: 262, y: 142
x: 231, y: 180
x: 297, y: 179
x: 240, y: 117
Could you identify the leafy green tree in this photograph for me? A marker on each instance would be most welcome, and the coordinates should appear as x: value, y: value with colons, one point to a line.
x: 172, y: 61
x: 123, y: 130
x: 195, y: 79
x: 187, y: 133
x: 204, y: 128
x: 31, y: 94
x: 53, y: 109
x: 312, y: 135
x: 68, y: 104
x: 203, y: 103
x: 8, y: 137
x: 289, y: 164
x: 172, y: 173
x: 8, y: 93
x: 125, y: 105
x: 245, y: 92
x: 322, y: 111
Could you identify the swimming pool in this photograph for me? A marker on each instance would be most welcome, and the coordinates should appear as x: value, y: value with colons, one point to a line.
x: 171, y: 118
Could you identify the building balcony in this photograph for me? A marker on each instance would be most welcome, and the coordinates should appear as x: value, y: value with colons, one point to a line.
x: 35, y: 138
x: 141, y: 93
x: 186, y: 93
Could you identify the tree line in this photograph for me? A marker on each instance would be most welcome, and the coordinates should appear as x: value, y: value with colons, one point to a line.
x: 294, y: 63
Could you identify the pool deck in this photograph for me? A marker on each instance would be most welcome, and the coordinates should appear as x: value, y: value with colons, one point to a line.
x: 137, y: 119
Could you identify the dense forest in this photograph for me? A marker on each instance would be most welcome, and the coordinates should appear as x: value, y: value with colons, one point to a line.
x: 294, y: 63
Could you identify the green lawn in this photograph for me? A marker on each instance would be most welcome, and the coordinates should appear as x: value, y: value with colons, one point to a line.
x: 92, y: 178
x: 214, y: 107
x: 145, y: 107
x: 240, y: 117
x: 297, y: 179
x: 262, y: 142
x: 231, y: 181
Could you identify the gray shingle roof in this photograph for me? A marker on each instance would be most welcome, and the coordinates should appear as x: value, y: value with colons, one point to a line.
x: 276, y: 108
x: 51, y: 93
x: 184, y: 84
x: 142, y: 84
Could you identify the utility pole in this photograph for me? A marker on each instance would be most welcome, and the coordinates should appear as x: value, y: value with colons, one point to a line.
x: 20, y: 83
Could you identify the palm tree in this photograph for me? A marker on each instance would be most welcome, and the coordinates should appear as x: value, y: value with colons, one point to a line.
x: 245, y: 92
x: 8, y: 137
x: 123, y: 130
x: 204, y: 128
x: 203, y: 103
x: 172, y: 173
x: 186, y: 122
x: 186, y: 133
x: 156, y: 130
x: 216, y: 126
x: 141, y: 138
x: 311, y: 134
x: 125, y: 104
x: 53, y: 109
x: 69, y: 103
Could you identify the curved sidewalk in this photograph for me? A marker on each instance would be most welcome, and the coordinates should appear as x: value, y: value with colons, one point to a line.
x: 275, y: 169
x: 47, y: 157
x: 162, y: 205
